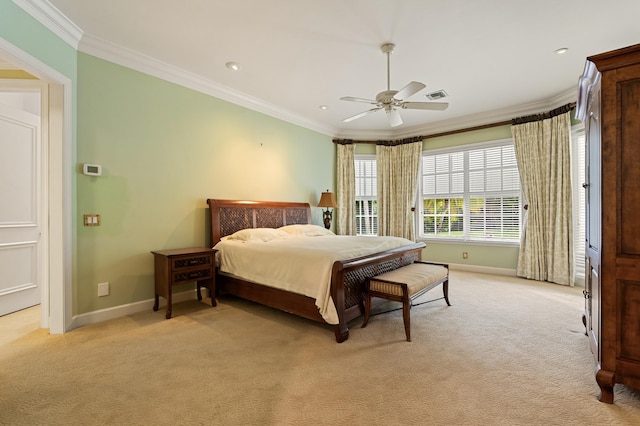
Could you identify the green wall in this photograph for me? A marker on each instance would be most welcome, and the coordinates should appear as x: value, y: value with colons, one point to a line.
x: 479, y: 255
x: 164, y: 150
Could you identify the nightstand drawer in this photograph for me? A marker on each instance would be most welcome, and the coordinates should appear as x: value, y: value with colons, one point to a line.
x: 191, y: 275
x: 191, y: 261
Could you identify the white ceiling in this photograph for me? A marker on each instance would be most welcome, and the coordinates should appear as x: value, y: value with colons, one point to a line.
x: 495, y: 58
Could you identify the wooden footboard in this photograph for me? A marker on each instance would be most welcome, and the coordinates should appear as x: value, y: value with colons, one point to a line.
x: 348, y: 278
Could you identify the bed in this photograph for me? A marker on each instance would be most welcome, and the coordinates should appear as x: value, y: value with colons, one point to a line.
x: 347, y: 276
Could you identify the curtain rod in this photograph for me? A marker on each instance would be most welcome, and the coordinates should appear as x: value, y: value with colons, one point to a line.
x: 437, y: 135
x: 544, y: 115
x: 423, y: 137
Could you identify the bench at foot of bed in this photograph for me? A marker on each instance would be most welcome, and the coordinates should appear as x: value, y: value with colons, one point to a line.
x: 406, y: 284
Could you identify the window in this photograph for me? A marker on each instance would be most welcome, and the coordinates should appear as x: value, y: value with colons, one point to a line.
x: 471, y: 193
x: 366, y: 195
x: 579, y: 214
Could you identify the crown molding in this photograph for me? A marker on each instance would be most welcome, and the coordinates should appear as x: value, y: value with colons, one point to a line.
x: 473, y: 120
x: 131, y: 59
x: 45, y: 13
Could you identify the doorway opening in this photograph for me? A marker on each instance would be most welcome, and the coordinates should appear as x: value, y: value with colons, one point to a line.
x: 56, y: 195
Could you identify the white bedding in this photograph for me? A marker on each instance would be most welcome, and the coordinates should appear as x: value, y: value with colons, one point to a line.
x: 300, y: 264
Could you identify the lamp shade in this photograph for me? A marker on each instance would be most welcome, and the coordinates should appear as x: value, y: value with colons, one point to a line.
x: 328, y: 200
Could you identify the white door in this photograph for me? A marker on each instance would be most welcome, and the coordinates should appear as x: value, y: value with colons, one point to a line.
x: 20, y: 183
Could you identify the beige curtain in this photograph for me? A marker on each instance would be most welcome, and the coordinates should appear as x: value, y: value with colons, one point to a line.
x: 398, y: 168
x: 543, y: 154
x: 346, y: 192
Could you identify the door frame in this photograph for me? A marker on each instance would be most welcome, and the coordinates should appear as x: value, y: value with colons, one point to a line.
x: 57, y: 142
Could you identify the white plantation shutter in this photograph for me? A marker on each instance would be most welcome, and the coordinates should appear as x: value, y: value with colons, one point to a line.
x: 471, y: 192
x: 366, y: 177
x: 366, y: 195
x: 443, y: 174
x: 578, y: 165
x: 442, y: 191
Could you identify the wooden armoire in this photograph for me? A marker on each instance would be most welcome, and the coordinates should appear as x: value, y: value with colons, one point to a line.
x: 609, y: 106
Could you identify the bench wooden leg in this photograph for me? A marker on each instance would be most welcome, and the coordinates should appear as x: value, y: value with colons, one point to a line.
x: 406, y: 306
x: 445, y: 291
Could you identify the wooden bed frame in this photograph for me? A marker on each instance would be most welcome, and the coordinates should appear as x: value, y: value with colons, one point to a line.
x: 347, y: 276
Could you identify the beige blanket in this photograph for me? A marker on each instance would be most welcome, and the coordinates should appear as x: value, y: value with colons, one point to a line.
x: 299, y: 264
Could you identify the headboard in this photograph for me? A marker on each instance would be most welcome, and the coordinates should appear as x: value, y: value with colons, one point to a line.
x: 229, y: 216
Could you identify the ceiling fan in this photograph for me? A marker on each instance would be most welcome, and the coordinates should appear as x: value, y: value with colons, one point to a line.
x: 391, y: 101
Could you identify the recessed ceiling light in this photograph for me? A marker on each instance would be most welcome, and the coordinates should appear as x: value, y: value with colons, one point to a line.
x: 323, y: 107
x: 562, y: 50
x: 233, y: 66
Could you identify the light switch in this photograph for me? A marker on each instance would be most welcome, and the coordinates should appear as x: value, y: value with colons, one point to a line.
x: 91, y: 220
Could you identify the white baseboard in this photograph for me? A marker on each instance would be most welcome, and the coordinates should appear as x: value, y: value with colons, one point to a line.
x: 128, y: 309
x: 579, y: 281
x: 147, y: 305
x: 482, y: 269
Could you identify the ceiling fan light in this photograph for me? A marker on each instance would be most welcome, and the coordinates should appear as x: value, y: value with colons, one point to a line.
x: 438, y: 94
x: 393, y: 115
x: 233, y: 66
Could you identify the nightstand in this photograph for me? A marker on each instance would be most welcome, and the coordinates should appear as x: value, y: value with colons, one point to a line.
x: 179, y: 266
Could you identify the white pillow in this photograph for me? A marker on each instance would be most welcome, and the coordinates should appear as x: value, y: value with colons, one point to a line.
x: 257, y: 234
x: 306, y: 230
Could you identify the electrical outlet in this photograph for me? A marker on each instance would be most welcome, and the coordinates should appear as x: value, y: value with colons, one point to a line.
x: 103, y: 289
x: 465, y: 255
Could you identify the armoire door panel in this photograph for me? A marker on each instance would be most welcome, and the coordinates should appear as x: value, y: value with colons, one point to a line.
x: 629, y: 326
x: 594, y: 305
x: 629, y: 195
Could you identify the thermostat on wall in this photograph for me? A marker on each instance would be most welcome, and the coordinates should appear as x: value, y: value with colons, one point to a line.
x: 92, y: 170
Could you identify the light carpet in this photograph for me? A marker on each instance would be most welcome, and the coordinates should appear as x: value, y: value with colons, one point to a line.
x: 507, y: 352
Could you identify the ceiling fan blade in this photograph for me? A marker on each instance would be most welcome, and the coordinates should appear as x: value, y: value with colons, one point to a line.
x: 352, y: 99
x: 394, y: 117
x: 437, y: 106
x: 409, y: 90
x: 362, y: 114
